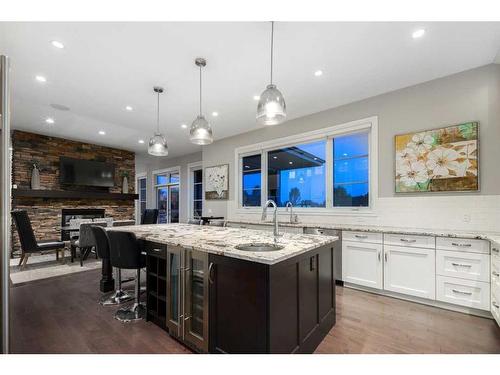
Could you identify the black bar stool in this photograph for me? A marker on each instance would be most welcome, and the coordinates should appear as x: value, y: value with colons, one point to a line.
x: 125, y: 253
x: 150, y: 216
x: 119, y: 296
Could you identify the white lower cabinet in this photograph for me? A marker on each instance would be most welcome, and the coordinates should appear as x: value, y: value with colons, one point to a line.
x: 362, y: 264
x: 469, y: 293
x: 410, y: 270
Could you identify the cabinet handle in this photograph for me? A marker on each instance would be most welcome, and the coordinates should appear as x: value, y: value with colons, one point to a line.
x: 495, y: 304
x: 495, y: 250
x: 379, y: 256
x: 462, y: 292
x: 385, y: 256
x: 360, y: 236
x: 461, y: 244
x: 157, y: 250
x: 210, y: 268
x: 187, y: 318
x: 494, y: 273
x: 407, y: 240
x: 312, y: 263
x: 462, y: 265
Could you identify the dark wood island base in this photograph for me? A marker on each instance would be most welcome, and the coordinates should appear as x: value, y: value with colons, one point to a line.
x: 288, y: 307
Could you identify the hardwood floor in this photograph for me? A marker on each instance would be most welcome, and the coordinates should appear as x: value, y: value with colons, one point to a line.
x: 61, y: 315
x: 370, y: 323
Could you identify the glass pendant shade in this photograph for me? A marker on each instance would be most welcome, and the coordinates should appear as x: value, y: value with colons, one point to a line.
x: 271, y: 109
x: 201, y: 131
x: 158, y: 145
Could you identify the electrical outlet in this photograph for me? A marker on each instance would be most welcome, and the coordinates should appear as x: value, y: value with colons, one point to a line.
x: 466, y: 218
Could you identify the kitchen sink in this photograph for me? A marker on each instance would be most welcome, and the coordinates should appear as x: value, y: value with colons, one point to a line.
x: 259, y: 246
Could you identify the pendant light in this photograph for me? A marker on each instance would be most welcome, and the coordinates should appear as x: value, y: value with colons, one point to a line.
x: 201, y: 131
x: 271, y: 109
x: 157, y: 143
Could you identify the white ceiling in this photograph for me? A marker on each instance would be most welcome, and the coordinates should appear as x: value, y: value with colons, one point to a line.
x: 106, y: 66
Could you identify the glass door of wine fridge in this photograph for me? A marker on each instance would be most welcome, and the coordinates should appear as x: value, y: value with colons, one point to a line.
x: 174, y: 290
x: 195, y: 330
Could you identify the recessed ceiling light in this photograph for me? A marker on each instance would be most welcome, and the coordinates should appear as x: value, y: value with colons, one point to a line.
x: 141, y: 141
x: 57, y: 44
x: 215, y: 114
x: 184, y: 126
x: 102, y: 132
x: 41, y: 79
x: 256, y: 97
x: 418, y: 33
x: 49, y: 120
x: 290, y: 162
x: 275, y: 157
x: 128, y: 108
x: 318, y: 73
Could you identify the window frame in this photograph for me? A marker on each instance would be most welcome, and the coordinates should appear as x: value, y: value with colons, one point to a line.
x: 369, y: 125
x: 192, y: 167
x: 138, y: 177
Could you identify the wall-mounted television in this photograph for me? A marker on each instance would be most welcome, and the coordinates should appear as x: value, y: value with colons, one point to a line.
x: 86, y: 172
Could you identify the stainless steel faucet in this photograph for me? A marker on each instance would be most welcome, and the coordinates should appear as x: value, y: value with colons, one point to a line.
x: 275, y: 216
x: 293, y: 218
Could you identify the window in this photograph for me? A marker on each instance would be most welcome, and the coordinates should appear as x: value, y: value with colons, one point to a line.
x: 141, y: 184
x: 251, y: 180
x: 350, y: 170
x: 333, y: 169
x: 197, y: 193
x: 167, y: 195
x: 297, y: 174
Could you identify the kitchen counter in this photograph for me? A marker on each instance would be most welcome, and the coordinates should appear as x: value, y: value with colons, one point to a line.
x: 222, y: 241
x: 381, y: 229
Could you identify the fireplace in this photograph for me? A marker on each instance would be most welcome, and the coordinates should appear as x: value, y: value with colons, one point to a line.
x: 78, y: 213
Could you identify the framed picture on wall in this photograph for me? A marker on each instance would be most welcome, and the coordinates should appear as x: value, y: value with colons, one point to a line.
x: 217, y: 182
x: 445, y: 159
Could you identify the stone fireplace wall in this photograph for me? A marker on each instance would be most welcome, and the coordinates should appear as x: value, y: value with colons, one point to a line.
x: 45, y: 213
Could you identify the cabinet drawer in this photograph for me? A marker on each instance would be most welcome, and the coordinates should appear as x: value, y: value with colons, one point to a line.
x: 471, y: 266
x: 475, y: 294
x: 463, y: 244
x: 428, y: 242
x: 156, y: 249
x: 495, y: 292
x: 495, y: 253
x: 495, y: 282
x: 369, y: 237
x: 495, y: 310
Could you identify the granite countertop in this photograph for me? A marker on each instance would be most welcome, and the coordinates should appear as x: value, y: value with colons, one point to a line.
x: 222, y: 241
x: 382, y: 229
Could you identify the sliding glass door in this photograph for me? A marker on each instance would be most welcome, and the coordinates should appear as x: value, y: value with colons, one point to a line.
x: 167, y: 196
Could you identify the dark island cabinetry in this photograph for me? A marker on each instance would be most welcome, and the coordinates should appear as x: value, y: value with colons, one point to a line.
x: 287, y: 307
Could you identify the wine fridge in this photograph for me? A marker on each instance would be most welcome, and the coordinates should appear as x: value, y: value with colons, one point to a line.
x: 187, y: 296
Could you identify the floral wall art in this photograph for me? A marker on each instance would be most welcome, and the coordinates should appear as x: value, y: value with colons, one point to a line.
x: 443, y: 159
x: 217, y: 182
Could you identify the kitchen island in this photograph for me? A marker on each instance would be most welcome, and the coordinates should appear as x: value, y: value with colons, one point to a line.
x: 217, y: 298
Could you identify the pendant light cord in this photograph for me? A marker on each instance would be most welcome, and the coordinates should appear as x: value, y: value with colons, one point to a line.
x: 200, y: 90
x: 158, y: 114
x: 272, y: 47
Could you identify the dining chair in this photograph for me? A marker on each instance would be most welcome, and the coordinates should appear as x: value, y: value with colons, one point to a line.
x: 29, y: 244
x: 86, y: 240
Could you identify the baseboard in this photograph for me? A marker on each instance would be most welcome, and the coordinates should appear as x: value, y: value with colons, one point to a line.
x: 423, y: 301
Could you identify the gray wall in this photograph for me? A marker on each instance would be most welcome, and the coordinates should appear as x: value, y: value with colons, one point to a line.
x: 471, y: 95
x: 147, y: 164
